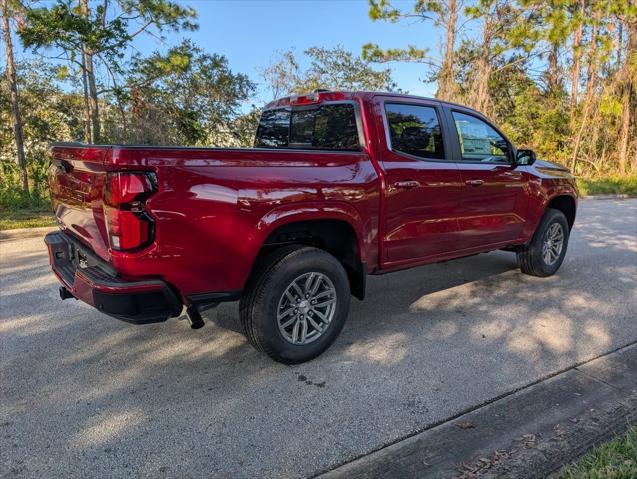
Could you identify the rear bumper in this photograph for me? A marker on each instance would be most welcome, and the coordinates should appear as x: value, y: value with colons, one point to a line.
x: 90, y: 279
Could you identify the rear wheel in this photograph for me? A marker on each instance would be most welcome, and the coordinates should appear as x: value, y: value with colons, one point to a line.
x: 296, y: 303
x: 545, y: 253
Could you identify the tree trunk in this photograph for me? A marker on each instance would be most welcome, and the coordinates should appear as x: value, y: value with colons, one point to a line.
x: 15, y: 106
x: 553, y: 74
x: 628, y: 87
x: 625, y: 129
x: 577, y: 42
x: 87, y: 108
x: 483, y: 68
x: 446, y: 78
x: 482, y: 91
x: 92, y: 88
x: 592, y: 133
x: 591, y: 84
x: 620, y: 42
x: 93, y: 104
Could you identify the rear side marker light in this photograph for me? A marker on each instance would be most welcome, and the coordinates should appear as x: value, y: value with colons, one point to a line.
x: 129, y: 227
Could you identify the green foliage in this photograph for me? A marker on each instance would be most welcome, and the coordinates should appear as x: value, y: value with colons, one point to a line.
x: 537, y: 120
x: 186, y: 96
x: 520, y: 63
x: 64, y: 26
x: 93, y: 34
x: 26, y: 217
x: 330, y: 68
x: 608, y: 185
x: 49, y: 114
x: 243, y: 128
x: 422, y: 9
x: 336, y: 68
x: 384, y: 10
x: 374, y: 53
x: 610, y: 105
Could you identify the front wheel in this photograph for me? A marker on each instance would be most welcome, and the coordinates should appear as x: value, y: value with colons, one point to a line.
x: 545, y: 253
x: 296, y: 303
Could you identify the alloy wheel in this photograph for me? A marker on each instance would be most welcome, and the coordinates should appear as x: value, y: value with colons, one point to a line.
x: 306, y: 308
x: 553, y: 243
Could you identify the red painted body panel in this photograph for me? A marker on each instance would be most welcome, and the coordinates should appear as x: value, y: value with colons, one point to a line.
x: 214, y: 208
x: 495, y: 211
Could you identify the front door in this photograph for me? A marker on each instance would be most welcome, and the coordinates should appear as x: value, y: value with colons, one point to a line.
x: 422, y: 191
x: 493, y: 201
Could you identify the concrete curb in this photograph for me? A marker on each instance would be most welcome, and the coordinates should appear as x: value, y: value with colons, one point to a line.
x: 608, y: 197
x: 22, y: 233
x: 529, y: 433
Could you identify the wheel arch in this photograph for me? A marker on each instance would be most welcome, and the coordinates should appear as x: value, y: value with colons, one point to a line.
x: 567, y: 205
x: 336, y: 231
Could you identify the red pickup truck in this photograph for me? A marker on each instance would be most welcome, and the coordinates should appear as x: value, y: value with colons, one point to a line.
x: 338, y: 185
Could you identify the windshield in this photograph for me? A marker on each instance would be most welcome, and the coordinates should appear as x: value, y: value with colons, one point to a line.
x: 326, y: 127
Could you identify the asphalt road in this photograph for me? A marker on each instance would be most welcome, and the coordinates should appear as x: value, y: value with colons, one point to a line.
x: 84, y: 395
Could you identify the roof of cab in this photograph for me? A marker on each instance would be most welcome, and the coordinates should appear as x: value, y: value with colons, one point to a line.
x: 320, y: 96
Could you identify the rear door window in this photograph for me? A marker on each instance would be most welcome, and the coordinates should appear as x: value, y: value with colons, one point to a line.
x: 326, y: 127
x: 415, y: 130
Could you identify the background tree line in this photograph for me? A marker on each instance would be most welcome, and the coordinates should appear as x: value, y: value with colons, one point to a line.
x: 560, y: 76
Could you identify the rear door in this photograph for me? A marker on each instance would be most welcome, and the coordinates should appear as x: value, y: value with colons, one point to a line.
x: 493, y: 201
x: 422, y: 183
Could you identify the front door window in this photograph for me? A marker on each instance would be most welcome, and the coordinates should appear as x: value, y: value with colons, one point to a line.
x: 479, y: 141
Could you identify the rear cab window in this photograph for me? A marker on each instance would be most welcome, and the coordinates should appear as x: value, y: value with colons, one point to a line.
x: 325, y: 127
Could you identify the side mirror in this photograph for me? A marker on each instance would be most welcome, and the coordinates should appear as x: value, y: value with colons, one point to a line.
x: 525, y: 157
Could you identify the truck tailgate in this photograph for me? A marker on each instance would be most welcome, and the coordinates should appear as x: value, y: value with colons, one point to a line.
x: 77, y: 180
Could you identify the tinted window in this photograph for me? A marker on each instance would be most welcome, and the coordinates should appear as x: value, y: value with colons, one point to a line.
x: 331, y: 127
x: 479, y: 141
x: 273, y: 129
x: 335, y: 128
x: 415, y: 130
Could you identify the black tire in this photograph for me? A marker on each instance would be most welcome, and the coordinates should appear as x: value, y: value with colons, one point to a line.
x: 531, y: 259
x: 270, y: 279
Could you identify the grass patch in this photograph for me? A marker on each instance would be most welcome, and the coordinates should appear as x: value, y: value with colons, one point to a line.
x: 609, y: 185
x: 11, y: 219
x: 615, y: 459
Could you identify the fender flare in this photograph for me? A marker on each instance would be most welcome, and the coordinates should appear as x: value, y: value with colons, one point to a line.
x: 311, y: 211
x: 337, y: 211
x: 537, y: 211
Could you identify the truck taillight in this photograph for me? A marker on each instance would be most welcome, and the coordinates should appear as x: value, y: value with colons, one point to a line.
x: 129, y: 226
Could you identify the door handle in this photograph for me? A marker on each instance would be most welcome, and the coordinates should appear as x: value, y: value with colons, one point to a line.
x: 407, y: 184
x: 474, y: 182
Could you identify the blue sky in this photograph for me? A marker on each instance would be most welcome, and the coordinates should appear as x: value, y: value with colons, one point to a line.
x: 251, y: 32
